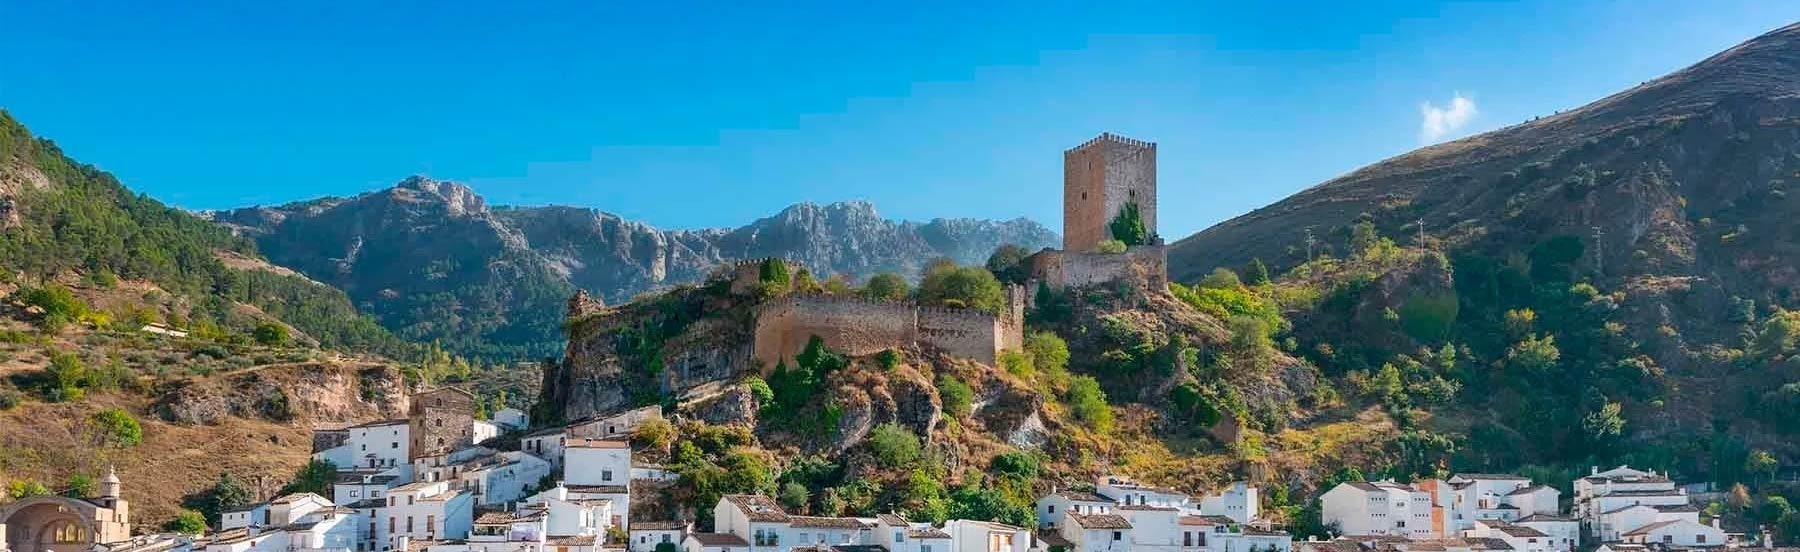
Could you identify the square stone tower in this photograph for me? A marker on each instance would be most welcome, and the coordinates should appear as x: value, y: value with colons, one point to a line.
x: 1099, y: 178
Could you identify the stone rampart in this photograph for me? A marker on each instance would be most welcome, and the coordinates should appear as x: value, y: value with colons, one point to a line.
x: 1145, y: 264
x: 859, y: 326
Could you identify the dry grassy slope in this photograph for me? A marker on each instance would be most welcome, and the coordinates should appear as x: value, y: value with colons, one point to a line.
x: 48, y: 442
x: 1718, y: 131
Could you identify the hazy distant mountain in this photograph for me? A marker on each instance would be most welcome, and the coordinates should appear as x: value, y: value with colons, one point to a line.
x: 432, y: 260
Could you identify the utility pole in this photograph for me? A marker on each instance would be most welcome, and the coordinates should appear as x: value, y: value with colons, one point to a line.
x: 1421, y: 223
x: 1309, y: 244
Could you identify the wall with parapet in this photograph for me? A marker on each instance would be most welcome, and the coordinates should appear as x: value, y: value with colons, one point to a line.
x: 1145, y: 264
x: 858, y: 326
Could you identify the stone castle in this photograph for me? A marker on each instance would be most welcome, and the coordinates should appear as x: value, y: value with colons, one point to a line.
x: 1100, y: 178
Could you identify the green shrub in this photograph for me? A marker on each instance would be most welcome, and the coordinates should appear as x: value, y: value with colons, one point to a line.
x: 886, y: 286
x: 270, y: 334
x: 1017, y: 363
x: 1128, y: 226
x: 894, y: 446
x: 958, y: 398
x: 188, y: 522
x: 966, y: 287
x: 889, y: 358
x: 68, y: 377
x: 1111, y: 246
x: 117, y: 427
x: 1088, y: 403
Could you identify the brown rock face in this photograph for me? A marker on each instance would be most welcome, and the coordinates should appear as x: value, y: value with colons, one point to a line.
x: 293, y: 393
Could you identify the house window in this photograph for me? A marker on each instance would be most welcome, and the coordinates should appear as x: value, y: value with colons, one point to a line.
x: 352, y: 494
x: 1052, y: 509
x: 409, y: 525
x: 924, y: 548
x: 606, y: 475
x: 1700, y: 538
x: 665, y: 537
x: 409, y: 502
x: 1117, y: 535
x: 899, y: 536
x: 430, y: 524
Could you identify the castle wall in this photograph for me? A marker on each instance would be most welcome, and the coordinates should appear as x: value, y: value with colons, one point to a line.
x: 960, y: 332
x: 859, y: 327
x: 850, y: 325
x: 1062, y: 269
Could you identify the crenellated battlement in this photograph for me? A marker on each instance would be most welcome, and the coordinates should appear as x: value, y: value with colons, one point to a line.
x: 1113, y: 138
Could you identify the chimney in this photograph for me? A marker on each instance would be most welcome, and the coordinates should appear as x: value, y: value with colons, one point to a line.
x: 1593, y: 470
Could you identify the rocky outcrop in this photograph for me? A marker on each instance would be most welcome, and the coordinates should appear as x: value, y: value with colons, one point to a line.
x: 433, y: 261
x: 309, y: 392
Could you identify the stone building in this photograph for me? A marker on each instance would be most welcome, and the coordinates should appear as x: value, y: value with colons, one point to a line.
x: 858, y: 326
x: 1100, y: 177
x: 442, y: 420
x: 63, y: 524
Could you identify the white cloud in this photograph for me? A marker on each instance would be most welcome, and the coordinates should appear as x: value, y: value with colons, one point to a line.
x: 1444, y: 121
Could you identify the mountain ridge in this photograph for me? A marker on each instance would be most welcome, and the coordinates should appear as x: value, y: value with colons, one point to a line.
x: 433, y: 260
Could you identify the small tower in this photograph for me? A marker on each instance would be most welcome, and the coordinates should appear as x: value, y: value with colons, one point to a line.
x: 1100, y: 177
x: 109, y: 487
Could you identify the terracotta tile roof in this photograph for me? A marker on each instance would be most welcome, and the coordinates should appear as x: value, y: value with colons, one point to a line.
x: 1491, y: 476
x: 1645, y: 530
x: 1053, y: 539
x: 718, y: 539
x: 578, y: 540
x: 381, y: 423
x: 295, y: 497
x: 1204, y: 520
x: 1520, y: 531
x: 1145, y: 508
x: 1082, y: 496
x: 824, y: 522
x: 598, y: 443
x: 1100, y: 521
x: 927, y: 533
x: 1527, y: 490
x: 1535, y: 518
x: 758, y: 508
x: 598, y: 489
x: 892, y: 519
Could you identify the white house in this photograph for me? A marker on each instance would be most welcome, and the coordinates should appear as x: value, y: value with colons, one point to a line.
x: 501, y: 478
x: 424, y: 511
x: 289, y: 508
x: 324, y: 529
x: 1239, y: 501
x: 1052, y: 507
x: 498, y: 531
x: 896, y: 534
x: 513, y: 419
x: 252, y: 515
x: 753, y: 518
x: 645, y: 535
x: 1096, y: 532
x: 573, y: 514
x: 374, y: 446
x: 546, y: 444
x: 612, y: 426
x: 1379, y: 508
x: 1153, y: 528
x: 714, y: 542
x: 1124, y: 490
x: 1564, y: 531
x: 482, y: 430
x: 597, y: 462
x: 1518, y: 537
x: 1678, y: 533
x: 353, y: 487
x: 985, y: 536
x: 1222, y: 534
x: 1604, y: 493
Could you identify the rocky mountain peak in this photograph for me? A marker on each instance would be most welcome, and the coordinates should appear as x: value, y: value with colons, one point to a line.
x: 458, y: 198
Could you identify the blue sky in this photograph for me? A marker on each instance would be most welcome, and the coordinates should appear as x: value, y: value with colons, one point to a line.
x: 714, y: 114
